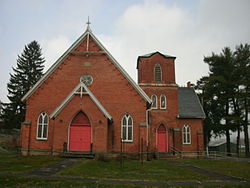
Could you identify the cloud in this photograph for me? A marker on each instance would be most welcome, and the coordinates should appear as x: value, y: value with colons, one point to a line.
x: 54, y: 48
x: 157, y: 26
x: 185, y: 30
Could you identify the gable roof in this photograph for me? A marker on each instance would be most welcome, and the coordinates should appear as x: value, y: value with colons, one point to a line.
x: 80, y: 89
x: 87, y: 33
x: 189, y: 104
x: 153, y: 53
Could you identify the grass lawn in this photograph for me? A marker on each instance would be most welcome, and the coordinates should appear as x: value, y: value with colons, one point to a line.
x: 133, y: 169
x: 158, y: 170
x: 18, y: 164
x: 232, y: 168
x: 22, y: 182
x: 7, y: 181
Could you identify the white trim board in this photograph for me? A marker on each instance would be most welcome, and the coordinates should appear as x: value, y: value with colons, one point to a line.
x: 75, y: 92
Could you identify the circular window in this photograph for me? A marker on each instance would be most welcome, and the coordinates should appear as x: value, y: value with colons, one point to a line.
x: 87, y: 79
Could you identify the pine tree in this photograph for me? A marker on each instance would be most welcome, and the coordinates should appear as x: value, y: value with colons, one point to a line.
x: 225, y: 93
x: 242, y: 74
x: 221, y: 68
x: 29, y: 70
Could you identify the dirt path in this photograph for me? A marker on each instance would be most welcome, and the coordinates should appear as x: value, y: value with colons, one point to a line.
x: 54, y: 168
x: 209, y: 173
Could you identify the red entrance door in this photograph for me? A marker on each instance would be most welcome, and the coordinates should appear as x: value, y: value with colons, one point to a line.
x: 162, y: 139
x: 80, y: 133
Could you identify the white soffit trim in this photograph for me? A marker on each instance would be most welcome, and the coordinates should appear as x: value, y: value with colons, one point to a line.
x: 74, y: 45
x: 74, y: 92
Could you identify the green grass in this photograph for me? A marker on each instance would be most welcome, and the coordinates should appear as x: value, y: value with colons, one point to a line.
x: 150, y: 170
x: 25, y: 182
x: 18, y: 164
x: 132, y: 169
x: 232, y: 168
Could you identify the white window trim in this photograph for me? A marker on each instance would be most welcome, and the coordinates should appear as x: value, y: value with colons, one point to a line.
x: 165, y: 107
x: 157, y: 64
x: 156, y: 101
x: 185, y: 134
x: 41, y: 138
x: 126, y: 140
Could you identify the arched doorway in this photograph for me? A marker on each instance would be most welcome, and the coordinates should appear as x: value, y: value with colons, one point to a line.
x: 162, y: 139
x: 80, y: 133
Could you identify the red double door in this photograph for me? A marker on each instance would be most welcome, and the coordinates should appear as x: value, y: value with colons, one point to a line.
x: 162, y: 139
x: 80, y: 133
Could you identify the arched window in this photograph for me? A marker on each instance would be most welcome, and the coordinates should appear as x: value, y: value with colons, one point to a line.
x: 158, y: 73
x: 163, y: 102
x: 127, y: 128
x: 154, y: 102
x: 42, y: 126
x: 186, y: 133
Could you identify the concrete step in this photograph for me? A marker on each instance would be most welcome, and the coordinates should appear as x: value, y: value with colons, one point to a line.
x: 77, y: 155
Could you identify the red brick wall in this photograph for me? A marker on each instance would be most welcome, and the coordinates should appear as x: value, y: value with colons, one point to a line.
x: 167, y: 116
x: 24, y: 137
x: 109, y: 86
x: 146, y: 69
x: 196, y: 137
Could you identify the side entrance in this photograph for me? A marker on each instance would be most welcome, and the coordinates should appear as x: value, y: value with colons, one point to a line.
x: 162, y: 139
x: 80, y: 133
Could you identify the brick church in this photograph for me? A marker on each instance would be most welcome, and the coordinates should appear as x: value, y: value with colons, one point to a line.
x: 87, y: 102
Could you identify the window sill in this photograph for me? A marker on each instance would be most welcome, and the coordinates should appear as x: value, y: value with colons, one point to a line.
x: 163, y: 108
x: 127, y: 141
x: 41, y: 139
x: 160, y: 109
x: 186, y: 143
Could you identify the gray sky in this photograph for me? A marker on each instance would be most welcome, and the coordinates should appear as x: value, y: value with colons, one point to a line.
x: 186, y: 29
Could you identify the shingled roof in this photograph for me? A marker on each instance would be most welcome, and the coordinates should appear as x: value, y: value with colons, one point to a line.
x: 189, y: 104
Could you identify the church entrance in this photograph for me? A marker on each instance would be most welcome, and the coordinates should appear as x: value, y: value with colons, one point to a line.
x: 162, y: 139
x: 80, y: 133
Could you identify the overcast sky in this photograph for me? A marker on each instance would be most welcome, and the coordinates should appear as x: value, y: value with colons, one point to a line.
x: 187, y: 29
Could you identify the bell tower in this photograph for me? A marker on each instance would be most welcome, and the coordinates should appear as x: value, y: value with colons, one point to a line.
x: 156, y: 76
x: 156, y: 69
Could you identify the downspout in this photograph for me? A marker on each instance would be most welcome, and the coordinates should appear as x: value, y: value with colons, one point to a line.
x: 29, y: 140
x: 148, y: 109
x: 147, y: 124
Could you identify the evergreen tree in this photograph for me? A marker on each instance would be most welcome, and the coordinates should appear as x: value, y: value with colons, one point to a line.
x: 225, y: 93
x: 28, y: 71
x: 242, y: 74
x: 221, y: 68
x: 208, y: 92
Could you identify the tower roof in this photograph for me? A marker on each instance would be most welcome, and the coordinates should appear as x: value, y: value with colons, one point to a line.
x: 153, y: 53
